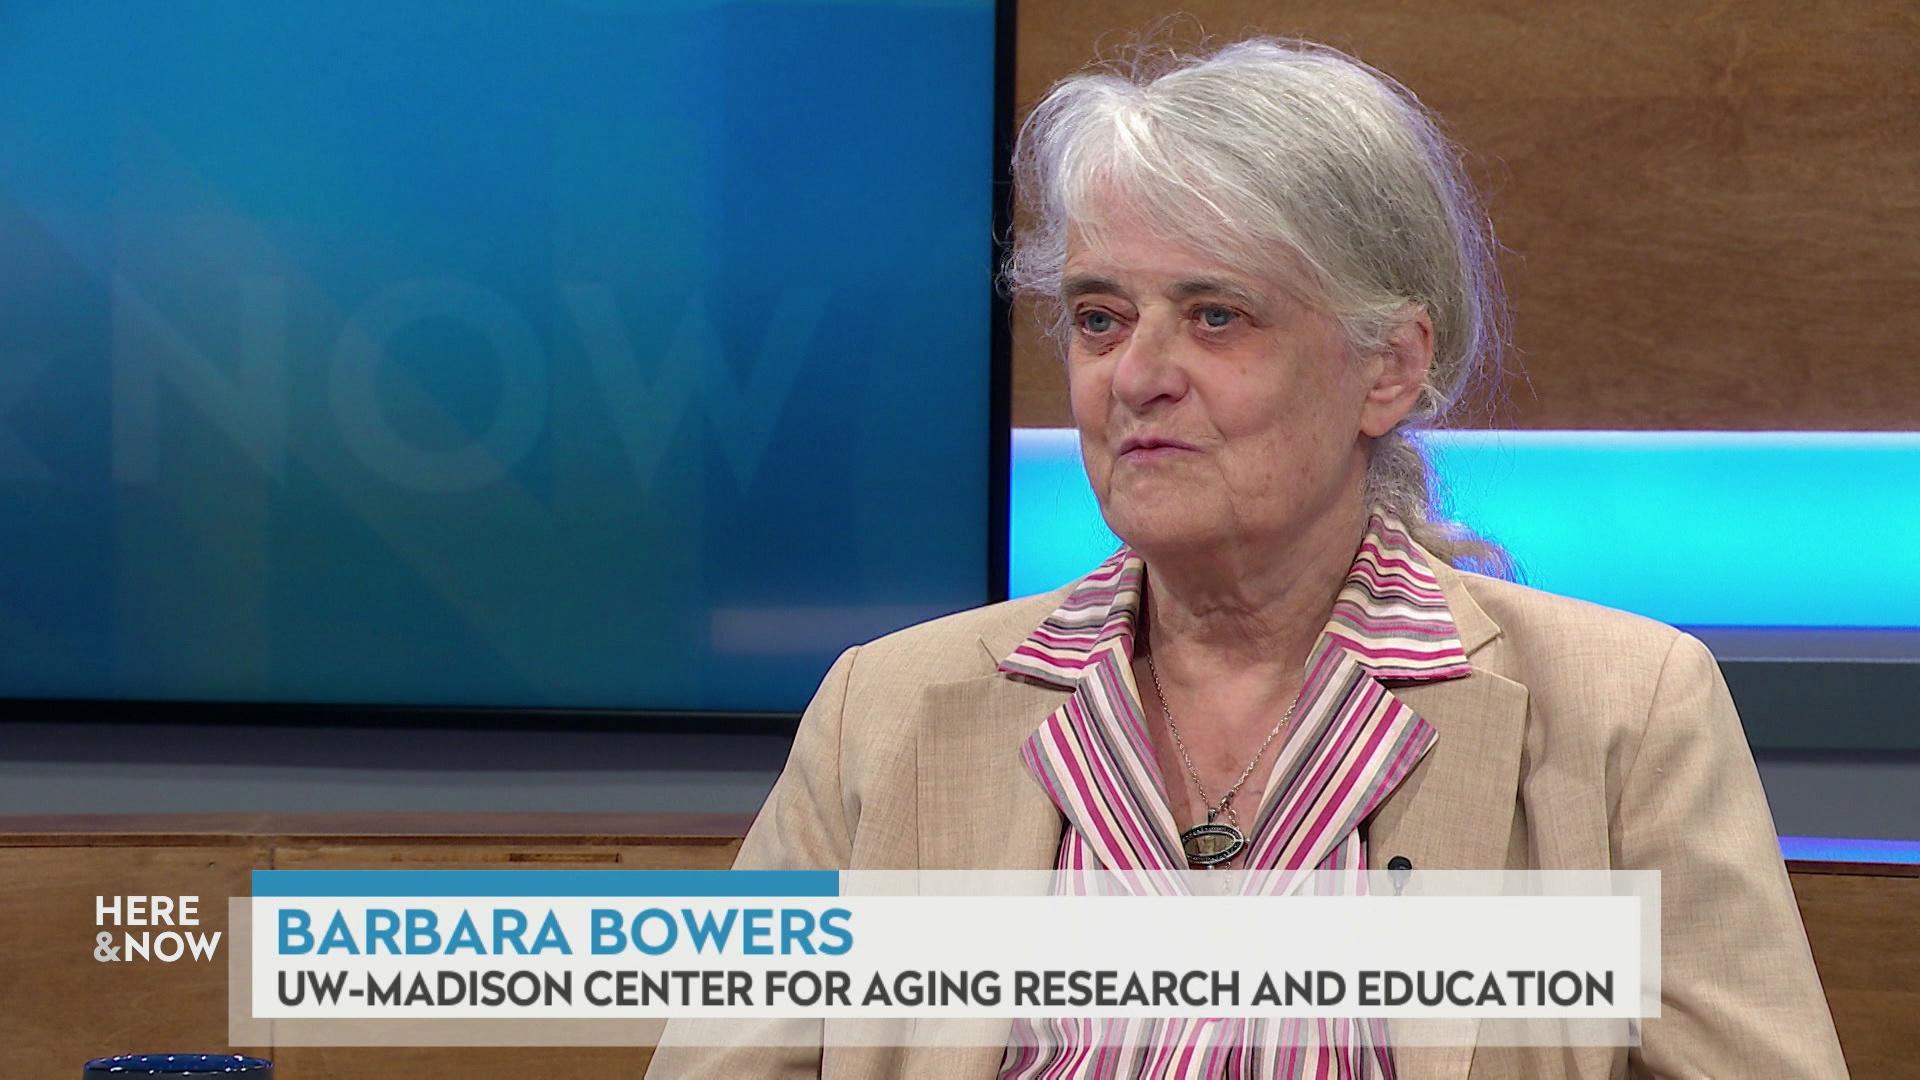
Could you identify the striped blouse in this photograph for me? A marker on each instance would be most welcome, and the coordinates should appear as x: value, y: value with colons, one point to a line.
x: 1351, y: 743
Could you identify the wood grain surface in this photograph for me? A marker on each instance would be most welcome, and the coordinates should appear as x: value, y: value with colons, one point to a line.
x: 1711, y: 211
x: 1865, y: 934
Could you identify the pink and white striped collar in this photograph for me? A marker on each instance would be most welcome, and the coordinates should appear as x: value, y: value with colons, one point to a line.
x: 1391, y: 614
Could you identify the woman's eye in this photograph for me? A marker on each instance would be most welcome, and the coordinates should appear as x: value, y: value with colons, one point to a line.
x: 1216, y: 318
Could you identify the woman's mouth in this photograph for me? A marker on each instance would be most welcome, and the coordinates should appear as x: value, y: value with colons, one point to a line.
x: 1144, y: 450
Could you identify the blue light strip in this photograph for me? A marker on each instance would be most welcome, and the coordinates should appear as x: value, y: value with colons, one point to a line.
x: 625, y: 883
x: 1699, y: 529
x: 1837, y: 849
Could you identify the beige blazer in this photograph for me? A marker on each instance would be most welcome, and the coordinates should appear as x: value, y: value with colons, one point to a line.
x: 1586, y: 738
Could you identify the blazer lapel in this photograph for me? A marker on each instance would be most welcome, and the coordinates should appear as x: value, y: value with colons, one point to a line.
x: 1455, y: 810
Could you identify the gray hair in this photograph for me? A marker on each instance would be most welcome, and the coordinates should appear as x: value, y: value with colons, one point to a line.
x: 1295, y: 161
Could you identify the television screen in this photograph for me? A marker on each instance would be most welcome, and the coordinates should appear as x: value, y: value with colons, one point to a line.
x: 569, y: 355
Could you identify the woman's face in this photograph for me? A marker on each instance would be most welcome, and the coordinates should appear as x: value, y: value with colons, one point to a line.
x: 1213, y: 408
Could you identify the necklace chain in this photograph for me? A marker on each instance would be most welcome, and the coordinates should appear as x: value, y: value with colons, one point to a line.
x: 1226, y: 801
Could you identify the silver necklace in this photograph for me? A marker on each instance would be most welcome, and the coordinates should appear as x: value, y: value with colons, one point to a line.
x: 1213, y: 841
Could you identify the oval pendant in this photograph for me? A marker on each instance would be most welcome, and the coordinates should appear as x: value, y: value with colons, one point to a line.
x: 1212, y: 843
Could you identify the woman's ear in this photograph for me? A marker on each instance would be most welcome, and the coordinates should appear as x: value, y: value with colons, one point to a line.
x: 1398, y: 372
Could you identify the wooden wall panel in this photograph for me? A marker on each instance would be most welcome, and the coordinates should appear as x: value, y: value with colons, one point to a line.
x: 467, y: 1063
x: 1712, y: 211
x: 631, y: 853
x: 1865, y: 934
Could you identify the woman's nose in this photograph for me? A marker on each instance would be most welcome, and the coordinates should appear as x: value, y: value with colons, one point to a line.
x: 1147, y: 368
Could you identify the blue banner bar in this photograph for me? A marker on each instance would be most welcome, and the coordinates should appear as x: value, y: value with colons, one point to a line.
x: 543, y: 883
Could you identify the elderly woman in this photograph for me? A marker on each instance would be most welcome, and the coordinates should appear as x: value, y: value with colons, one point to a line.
x: 1267, y: 274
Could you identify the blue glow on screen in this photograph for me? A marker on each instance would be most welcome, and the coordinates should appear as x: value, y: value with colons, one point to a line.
x: 1840, y: 849
x: 1764, y: 529
x: 496, y: 353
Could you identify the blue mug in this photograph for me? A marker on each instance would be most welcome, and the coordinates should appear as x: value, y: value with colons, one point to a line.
x: 129, y: 1066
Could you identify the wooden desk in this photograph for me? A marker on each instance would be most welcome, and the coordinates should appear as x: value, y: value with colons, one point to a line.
x: 1863, y: 921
